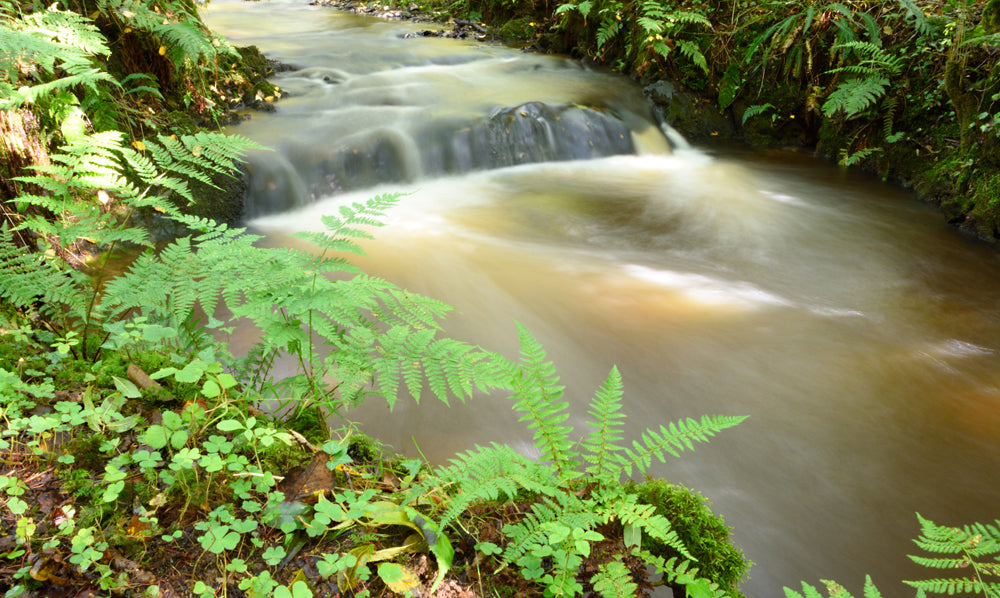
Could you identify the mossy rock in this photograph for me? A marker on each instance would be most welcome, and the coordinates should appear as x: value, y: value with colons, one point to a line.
x: 697, y: 118
x: 704, y: 533
x: 519, y: 30
x: 982, y: 206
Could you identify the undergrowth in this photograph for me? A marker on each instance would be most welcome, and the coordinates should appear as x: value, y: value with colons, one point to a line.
x: 135, y: 454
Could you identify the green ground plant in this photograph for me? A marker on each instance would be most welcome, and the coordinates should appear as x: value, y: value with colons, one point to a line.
x: 968, y: 555
x: 183, y: 462
x: 184, y: 450
x: 578, y: 499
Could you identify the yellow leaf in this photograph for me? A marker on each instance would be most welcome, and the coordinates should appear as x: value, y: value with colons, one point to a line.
x: 196, y: 152
x: 398, y: 578
x: 139, y: 145
x: 159, y: 209
x: 163, y: 50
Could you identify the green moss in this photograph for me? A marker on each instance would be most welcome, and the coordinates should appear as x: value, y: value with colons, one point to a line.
x: 364, y: 449
x: 519, y: 30
x: 310, y: 423
x: 983, y: 199
x: 704, y: 533
x: 281, y: 457
x: 86, y: 452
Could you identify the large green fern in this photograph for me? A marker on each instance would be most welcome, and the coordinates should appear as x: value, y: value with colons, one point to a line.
x: 973, y: 550
x: 182, y: 34
x: 62, y: 48
x: 868, y: 80
x: 573, y: 488
x: 368, y: 336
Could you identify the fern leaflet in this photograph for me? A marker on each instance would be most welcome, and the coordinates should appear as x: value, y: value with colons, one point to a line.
x: 537, y: 395
x: 672, y: 439
x: 606, y: 421
x: 855, y: 95
x: 614, y: 580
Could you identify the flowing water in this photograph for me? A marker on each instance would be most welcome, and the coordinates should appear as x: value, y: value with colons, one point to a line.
x: 860, y: 334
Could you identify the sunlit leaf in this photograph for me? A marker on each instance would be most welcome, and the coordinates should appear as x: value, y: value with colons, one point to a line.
x: 398, y: 578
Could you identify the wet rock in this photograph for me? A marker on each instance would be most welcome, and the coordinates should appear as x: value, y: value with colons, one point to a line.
x: 698, y: 119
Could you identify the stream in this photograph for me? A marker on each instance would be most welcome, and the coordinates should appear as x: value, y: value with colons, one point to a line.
x: 858, y: 331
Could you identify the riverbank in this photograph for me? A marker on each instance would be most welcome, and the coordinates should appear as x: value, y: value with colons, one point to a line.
x: 909, y: 92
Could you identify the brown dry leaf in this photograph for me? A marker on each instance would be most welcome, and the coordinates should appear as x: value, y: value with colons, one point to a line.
x: 141, y: 379
x: 314, y: 478
x: 317, y: 477
x: 49, y: 500
x: 47, y: 569
x: 137, y: 528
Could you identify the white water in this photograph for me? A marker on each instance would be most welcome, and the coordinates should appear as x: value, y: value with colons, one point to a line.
x: 859, y: 333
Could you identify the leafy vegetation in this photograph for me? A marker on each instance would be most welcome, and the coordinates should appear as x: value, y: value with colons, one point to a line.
x: 898, y: 87
x: 973, y: 548
x: 197, y: 461
x: 116, y: 480
x: 180, y: 461
x: 578, y: 499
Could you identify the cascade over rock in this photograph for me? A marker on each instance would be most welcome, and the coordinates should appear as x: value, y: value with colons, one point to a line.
x: 527, y: 133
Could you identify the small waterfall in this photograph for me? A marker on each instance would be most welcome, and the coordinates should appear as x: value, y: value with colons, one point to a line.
x: 528, y: 133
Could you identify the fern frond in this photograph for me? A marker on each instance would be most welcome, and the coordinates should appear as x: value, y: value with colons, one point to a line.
x: 940, y: 562
x: 681, y: 571
x: 607, y: 31
x: 873, y: 56
x: 693, y: 53
x: 650, y: 25
x: 606, y: 421
x: 489, y: 473
x: 976, y: 548
x: 993, y: 39
x: 537, y: 395
x: 530, y: 532
x: 672, y: 439
x: 63, y: 45
x: 941, y: 539
x: 614, y: 580
x: 633, y: 513
x: 855, y: 95
x: 756, y: 110
x: 31, y: 279
x: 808, y: 591
x: 954, y: 586
x: 922, y: 25
x: 340, y: 231
x: 692, y: 18
x: 449, y: 367
x: 870, y: 591
x: 181, y: 33
x: 848, y: 158
x: 889, y: 108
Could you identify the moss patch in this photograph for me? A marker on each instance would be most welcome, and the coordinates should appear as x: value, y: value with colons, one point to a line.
x: 704, y: 533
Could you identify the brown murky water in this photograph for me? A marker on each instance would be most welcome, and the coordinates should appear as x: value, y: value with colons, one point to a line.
x: 860, y: 334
